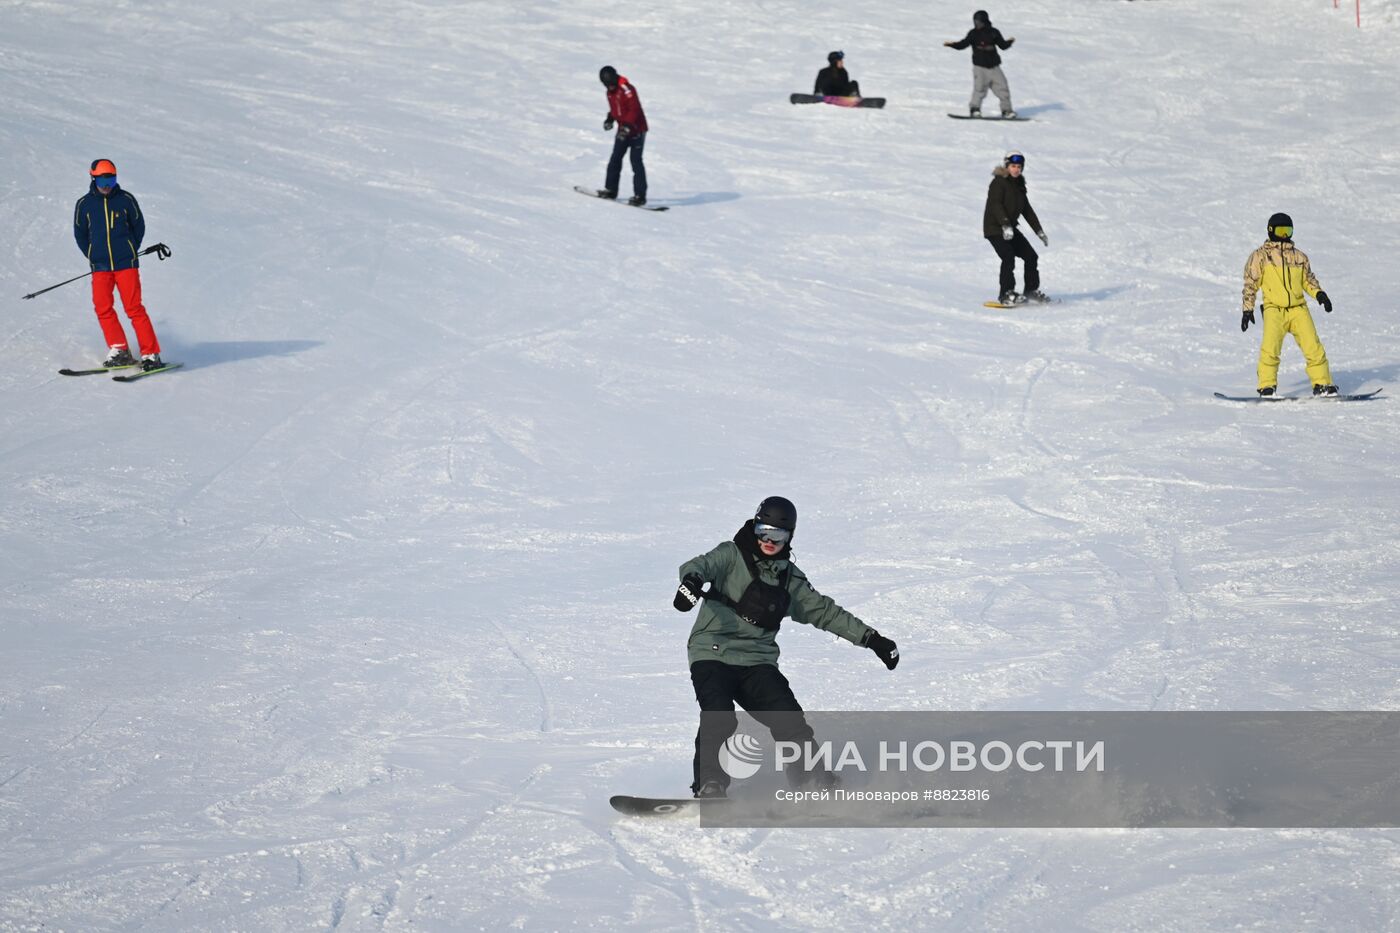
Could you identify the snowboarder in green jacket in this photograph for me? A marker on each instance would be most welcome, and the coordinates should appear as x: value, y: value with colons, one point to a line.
x: 733, y: 648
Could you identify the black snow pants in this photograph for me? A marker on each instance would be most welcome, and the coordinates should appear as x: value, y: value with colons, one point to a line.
x: 763, y: 691
x: 622, y: 146
x: 1009, y: 250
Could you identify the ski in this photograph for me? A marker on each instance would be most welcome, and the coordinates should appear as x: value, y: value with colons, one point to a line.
x: 964, y: 116
x: 147, y: 372
x: 876, y: 103
x: 662, y: 806
x: 1355, y: 397
x: 94, y: 372
x: 595, y: 193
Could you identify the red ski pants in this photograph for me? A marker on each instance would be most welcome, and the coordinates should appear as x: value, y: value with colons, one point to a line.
x: 128, y: 282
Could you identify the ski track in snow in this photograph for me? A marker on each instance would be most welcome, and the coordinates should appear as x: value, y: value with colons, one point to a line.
x: 357, y: 621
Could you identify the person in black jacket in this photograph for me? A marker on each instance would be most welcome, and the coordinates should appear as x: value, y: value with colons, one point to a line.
x: 1006, y: 202
x: 833, y: 81
x: 986, y: 64
x: 108, y: 227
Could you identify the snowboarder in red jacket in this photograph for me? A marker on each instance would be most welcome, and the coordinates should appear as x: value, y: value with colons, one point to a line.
x: 625, y: 110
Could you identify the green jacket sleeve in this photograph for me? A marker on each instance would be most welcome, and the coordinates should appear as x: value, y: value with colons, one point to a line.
x: 812, y: 608
x: 711, y: 566
x: 996, y: 206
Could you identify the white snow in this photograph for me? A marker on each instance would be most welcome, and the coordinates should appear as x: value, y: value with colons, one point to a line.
x: 358, y: 620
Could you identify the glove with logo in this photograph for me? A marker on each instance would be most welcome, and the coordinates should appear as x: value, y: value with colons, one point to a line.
x: 688, y: 593
x: 608, y: 123
x: 1246, y: 319
x: 1326, y: 302
x: 884, y: 649
x: 1008, y: 233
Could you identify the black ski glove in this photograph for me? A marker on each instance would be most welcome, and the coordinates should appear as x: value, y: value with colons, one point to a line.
x: 688, y: 593
x: 884, y: 649
x: 1326, y: 302
x: 1246, y: 319
x: 608, y: 123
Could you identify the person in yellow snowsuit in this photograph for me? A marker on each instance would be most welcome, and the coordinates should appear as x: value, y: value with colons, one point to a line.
x: 1282, y: 271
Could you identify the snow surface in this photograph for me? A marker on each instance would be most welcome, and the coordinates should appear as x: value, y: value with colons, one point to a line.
x: 357, y: 621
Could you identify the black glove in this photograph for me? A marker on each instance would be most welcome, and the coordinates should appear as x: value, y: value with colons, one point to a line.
x: 625, y: 131
x: 1246, y: 319
x: 1326, y: 302
x: 884, y: 649
x: 608, y: 123
x: 688, y: 593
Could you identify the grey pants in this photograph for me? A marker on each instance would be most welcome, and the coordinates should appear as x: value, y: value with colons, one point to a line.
x: 990, y: 79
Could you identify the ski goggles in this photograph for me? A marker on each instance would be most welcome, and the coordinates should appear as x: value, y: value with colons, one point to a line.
x: 106, y: 181
x: 1283, y: 233
x: 1017, y: 159
x: 772, y: 533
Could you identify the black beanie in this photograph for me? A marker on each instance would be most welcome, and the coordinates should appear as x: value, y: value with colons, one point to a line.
x: 981, y: 18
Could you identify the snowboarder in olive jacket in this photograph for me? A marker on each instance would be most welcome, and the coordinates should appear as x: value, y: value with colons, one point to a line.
x: 1007, y: 201
x: 733, y: 649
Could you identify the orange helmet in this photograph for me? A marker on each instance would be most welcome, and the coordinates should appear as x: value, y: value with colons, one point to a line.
x: 102, y: 167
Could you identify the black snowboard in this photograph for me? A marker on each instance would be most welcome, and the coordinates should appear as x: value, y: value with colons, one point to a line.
x: 662, y: 806
x: 595, y: 193
x: 875, y: 102
x: 963, y: 116
x: 1359, y: 397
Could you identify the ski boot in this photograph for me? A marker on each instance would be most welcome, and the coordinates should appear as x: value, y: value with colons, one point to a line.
x: 607, y: 194
x: 1266, y: 392
x: 637, y: 201
x: 974, y: 112
x: 710, y: 790
x: 1008, y: 114
x: 151, y: 361
x: 1038, y: 296
x: 1011, y: 298
x: 119, y: 357
x: 1320, y: 389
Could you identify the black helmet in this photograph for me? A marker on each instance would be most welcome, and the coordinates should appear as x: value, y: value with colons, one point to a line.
x: 1280, y: 227
x: 775, y: 510
x: 834, y: 57
x: 980, y: 18
x: 608, y: 75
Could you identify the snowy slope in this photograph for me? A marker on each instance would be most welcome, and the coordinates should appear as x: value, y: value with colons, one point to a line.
x: 357, y: 621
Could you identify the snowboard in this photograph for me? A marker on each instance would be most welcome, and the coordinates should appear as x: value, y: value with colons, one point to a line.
x: 662, y: 806
x: 875, y: 102
x: 964, y: 116
x: 1355, y: 397
x: 595, y: 193
x: 1024, y: 304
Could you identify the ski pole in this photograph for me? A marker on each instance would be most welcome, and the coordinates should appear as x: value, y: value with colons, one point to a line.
x: 160, y: 249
